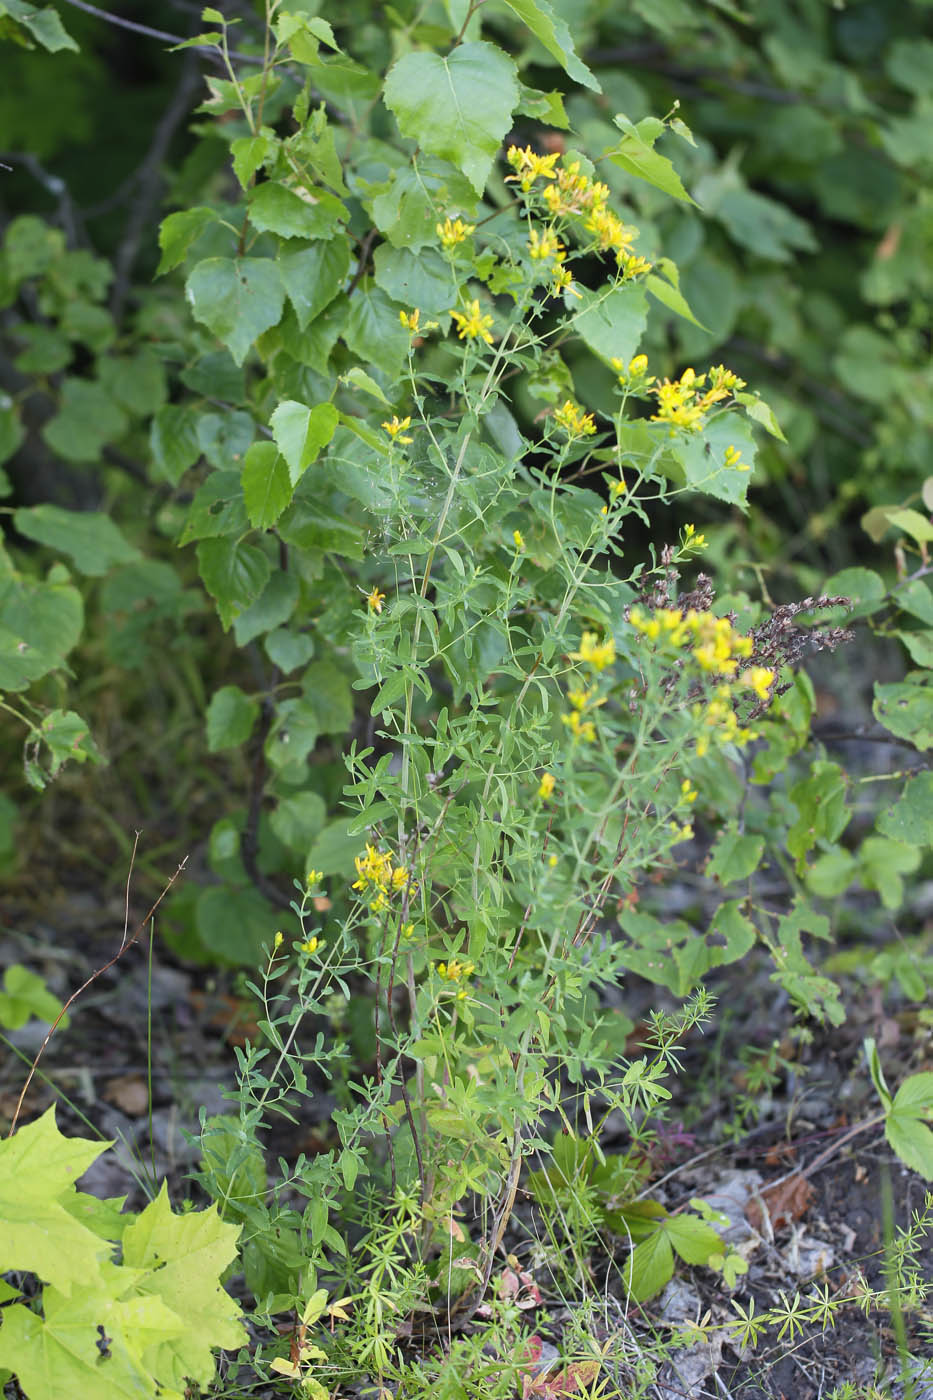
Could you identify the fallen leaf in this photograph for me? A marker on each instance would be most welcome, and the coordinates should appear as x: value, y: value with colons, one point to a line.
x: 130, y: 1093
x: 785, y: 1202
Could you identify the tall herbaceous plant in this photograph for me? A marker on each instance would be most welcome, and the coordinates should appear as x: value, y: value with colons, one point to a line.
x: 409, y: 258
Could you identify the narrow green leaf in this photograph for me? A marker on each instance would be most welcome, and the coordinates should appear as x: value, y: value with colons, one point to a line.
x: 552, y: 32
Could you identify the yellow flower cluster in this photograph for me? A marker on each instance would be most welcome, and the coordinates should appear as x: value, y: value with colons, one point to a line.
x: 635, y: 373
x: 529, y: 166
x: 452, y: 232
x: 582, y: 701
x: 595, y: 653
x: 733, y: 458
x: 396, y: 427
x: 681, y: 402
x: 378, y: 876
x: 410, y: 319
x: 688, y: 792
x: 718, y: 649
x: 456, y: 972
x: 545, y: 245
x: 574, y: 421
x: 546, y: 786
x: 715, y: 644
x: 472, y: 324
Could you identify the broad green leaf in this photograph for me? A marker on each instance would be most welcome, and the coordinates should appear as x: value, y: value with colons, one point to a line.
x: 274, y: 208
x: 38, y: 1167
x: 136, y: 382
x: 230, y: 718
x: 178, y: 231
x: 236, y: 925
x: 297, y: 820
x: 649, y: 1266
x: 24, y: 995
x: 918, y: 526
x: 66, y: 737
x: 234, y: 574
x: 225, y: 437
x: 44, y: 25
x: 184, y: 1256
x: 300, y: 433
x: 906, y: 709
x: 40, y: 622
x: 293, y: 736
x: 173, y: 440
x: 60, y: 1354
x: 919, y: 646
x: 313, y: 276
x: 734, y: 857
x: 635, y: 155
x: 904, y: 1127
x: 267, y: 487
x: 328, y: 690
x: 703, y: 458
x: 881, y: 864
x: 459, y: 107
x: 271, y: 609
x: 823, y: 811
x: 910, y: 818
x: 864, y: 587
x: 361, y: 380
x: 552, y: 32
x: 423, y: 280
x: 612, y: 322
x: 217, y: 509
x: 237, y: 299
x: 333, y: 850
x: 249, y: 153
x: 732, y: 933
x: 373, y: 330
x: 89, y: 538
x: 87, y: 419
x: 287, y: 649
x: 693, y: 1239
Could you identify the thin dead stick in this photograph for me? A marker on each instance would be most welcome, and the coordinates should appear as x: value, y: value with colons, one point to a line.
x: 126, y: 898
x: 84, y: 985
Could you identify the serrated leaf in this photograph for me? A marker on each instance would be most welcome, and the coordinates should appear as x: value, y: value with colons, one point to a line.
x: 637, y: 157
x: 267, y: 487
x: 249, y: 152
x: 552, y: 32
x: 38, y: 1167
x: 910, y: 819
x: 237, y: 299
x: 274, y: 208
x: 233, y: 573
x: 173, y: 440
x: 178, y: 231
x: 184, y: 1256
x: 89, y: 538
x: 612, y: 323
x: 230, y: 718
x: 313, y: 276
x: 301, y: 433
x: 649, y: 1266
x: 459, y: 107
x: 906, y: 709
x: 87, y: 419
x: 734, y: 857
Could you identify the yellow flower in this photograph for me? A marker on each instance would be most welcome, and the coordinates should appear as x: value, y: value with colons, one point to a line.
x: 310, y: 945
x: 519, y: 539
x: 595, y: 653
x: 691, y: 540
x: 574, y: 421
x: 563, y: 282
x: 396, y: 428
x: 410, y: 319
x: 688, y: 792
x: 455, y: 970
x: 733, y: 458
x: 759, y: 679
x: 631, y: 265
x: 472, y: 324
x: 278, y: 941
x: 315, y: 875
x: 529, y: 166
x: 552, y: 861
x: 580, y: 728
x: 545, y: 245
x: 375, y: 600
x: 546, y: 786
x: 453, y: 232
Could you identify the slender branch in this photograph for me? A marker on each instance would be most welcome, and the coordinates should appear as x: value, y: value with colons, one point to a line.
x: 207, y: 50
x: 149, y: 182
x: 127, y: 943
